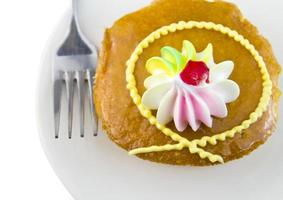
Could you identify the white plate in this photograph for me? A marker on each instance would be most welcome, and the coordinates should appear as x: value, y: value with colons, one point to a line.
x: 95, y: 168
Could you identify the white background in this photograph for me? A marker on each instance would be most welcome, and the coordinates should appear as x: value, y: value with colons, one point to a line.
x: 25, y: 26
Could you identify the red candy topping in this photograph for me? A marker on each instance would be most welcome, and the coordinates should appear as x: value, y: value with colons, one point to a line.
x: 195, y: 72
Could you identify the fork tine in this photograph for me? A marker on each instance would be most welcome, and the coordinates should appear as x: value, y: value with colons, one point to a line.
x: 57, y: 89
x: 69, y: 78
x: 80, y: 83
x: 93, y: 113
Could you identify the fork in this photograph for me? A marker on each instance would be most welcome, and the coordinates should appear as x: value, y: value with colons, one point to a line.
x: 74, y: 64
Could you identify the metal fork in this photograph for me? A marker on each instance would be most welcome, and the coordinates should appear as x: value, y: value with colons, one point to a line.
x: 74, y: 64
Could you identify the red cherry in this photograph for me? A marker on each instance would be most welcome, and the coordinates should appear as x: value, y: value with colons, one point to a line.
x: 195, y: 72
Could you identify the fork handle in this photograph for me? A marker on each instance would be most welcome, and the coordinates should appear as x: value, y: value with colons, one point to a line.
x: 75, y: 18
x: 75, y: 9
x: 75, y: 13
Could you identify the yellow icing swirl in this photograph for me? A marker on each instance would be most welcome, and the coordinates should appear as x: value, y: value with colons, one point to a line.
x: 183, y: 142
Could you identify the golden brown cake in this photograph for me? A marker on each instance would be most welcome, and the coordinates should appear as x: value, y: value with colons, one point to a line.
x: 133, y: 127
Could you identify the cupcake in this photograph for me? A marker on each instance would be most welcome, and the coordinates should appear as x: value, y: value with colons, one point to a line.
x: 187, y: 82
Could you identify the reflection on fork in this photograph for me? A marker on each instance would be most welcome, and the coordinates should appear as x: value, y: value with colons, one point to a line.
x: 74, y: 64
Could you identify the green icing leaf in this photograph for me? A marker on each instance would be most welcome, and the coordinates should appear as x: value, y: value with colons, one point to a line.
x: 173, y: 56
x: 158, y: 65
x: 188, y: 51
x: 207, y: 54
x: 173, y: 62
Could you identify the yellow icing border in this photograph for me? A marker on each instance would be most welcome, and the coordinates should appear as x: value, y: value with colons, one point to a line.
x: 183, y: 142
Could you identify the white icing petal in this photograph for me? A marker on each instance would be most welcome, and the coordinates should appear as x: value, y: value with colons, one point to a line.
x: 152, y: 97
x: 221, y: 71
x: 228, y: 90
x: 165, y: 110
x: 155, y: 80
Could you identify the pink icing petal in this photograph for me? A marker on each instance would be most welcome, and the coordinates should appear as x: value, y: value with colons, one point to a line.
x: 179, y: 113
x: 216, y: 105
x: 190, y: 112
x: 201, y: 110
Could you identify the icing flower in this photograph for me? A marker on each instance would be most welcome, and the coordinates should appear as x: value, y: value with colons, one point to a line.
x: 188, y: 87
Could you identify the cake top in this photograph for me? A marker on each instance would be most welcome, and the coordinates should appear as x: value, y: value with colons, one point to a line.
x: 190, y: 87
